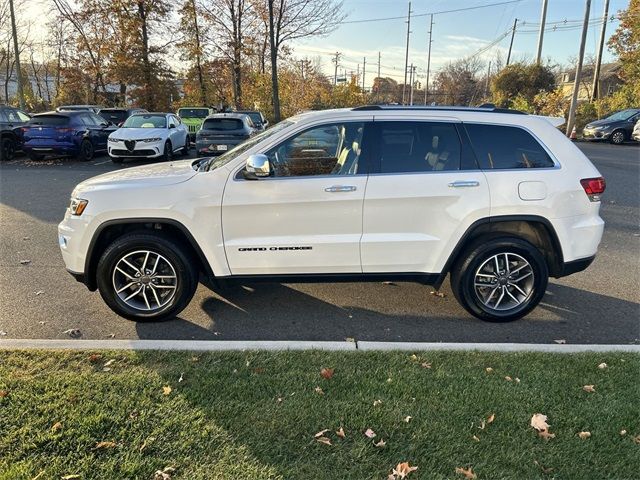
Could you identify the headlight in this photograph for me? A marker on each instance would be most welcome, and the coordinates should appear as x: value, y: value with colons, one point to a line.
x: 600, y: 127
x: 77, y: 206
x: 114, y: 140
x: 149, y: 140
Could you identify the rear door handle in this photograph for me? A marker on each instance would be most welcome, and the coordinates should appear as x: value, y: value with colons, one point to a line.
x: 464, y: 183
x: 340, y: 188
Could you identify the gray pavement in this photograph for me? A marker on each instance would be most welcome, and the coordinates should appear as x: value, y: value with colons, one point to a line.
x: 40, y: 300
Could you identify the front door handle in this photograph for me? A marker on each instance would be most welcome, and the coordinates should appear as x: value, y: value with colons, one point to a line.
x: 464, y: 183
x: 340, y: 188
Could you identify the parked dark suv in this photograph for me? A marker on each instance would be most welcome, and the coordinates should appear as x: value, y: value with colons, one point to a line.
x: 257, y: 118
x: 616, y: 128
x: 222, y: 132
x: 11, y: 119
x: 117, y: 115
x: 76, y: 134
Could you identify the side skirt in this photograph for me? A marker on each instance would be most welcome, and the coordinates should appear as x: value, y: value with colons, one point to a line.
x: 434, y: 279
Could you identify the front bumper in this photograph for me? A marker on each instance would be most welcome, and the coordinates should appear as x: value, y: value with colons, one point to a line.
x: 140, y: 149
x: 592, y: 134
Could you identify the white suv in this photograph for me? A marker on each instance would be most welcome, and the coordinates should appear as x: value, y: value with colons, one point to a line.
x: 498, y: 199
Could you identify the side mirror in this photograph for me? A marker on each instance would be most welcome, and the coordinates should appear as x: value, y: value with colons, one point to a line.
x: 171, y: 125
x: 257, y: 167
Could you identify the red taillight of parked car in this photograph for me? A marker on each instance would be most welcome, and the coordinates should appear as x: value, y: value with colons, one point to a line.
x: 593, y: 187
x: 64, y: 130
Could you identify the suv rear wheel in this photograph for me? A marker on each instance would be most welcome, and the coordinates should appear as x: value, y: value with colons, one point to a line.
x: 145, y: 277
x: 8, y: 148
x: 501, y: 279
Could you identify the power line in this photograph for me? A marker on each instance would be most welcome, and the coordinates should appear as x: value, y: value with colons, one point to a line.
x: 464, y: 9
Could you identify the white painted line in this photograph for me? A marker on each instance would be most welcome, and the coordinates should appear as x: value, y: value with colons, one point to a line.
x: 496, y: 347
x: 196, y: 345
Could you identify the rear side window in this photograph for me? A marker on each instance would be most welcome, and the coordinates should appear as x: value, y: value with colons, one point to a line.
x: 414, y: 147
x: 49, y: 120
x: 222, y: 124
x: 502, y: 147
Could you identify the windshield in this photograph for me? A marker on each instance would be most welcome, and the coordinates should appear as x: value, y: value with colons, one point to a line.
x: 222, y: 124
x: 225, y: 158
x: 114, y: 116
x: 146, y: 121
x: 622, y: 115
x: 53, y: 120
x: 193, y: 112
x: 256, y: 117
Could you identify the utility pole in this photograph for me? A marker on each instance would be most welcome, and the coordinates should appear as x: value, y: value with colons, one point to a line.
x: 543, y: 19
x: 16, y: 50
x: 378, y: 89
x: 364, y: 67
x: 596, y: 73
x: 513, y: 34
x: 486, y: 86
x: 336, y: 60
x: 426, y: 89
x: 406, y: 55
x: 576, y: 86
x: 274, y: 67
x: 411, y: 78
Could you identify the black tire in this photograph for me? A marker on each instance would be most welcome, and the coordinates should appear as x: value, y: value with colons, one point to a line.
x: 181, y: 262
x: 7, y: 149
x: 187, y: 144
x: 86, y: 151
x: 167, y: 154
x: 477, y: 256
x: 35, y: 156
x: 618, y: 137
x: 117, y: 159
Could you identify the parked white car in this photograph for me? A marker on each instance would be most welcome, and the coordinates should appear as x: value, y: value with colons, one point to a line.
x: 636, y: 131
x: 149, y: 135
x: 498, y: 199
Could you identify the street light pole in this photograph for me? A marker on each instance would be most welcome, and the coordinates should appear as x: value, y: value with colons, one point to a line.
x: 406, y: 55
x: 426, y: 90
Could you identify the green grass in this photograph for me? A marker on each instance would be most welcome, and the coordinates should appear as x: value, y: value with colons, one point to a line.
x: 225, y: 420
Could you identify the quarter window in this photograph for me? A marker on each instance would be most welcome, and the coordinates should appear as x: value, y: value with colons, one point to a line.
x: 503, y: 147
x: 334, y: 149
x: 415, y: 147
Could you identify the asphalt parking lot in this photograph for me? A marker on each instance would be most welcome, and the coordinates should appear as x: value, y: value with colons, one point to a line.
x: 39, y: 299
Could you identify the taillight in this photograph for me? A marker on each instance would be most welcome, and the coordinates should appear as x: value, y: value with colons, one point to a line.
x: 593, y: 187
x: 64, y: 130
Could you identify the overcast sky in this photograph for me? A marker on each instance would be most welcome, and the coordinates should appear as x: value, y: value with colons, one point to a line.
x: 455, y: 35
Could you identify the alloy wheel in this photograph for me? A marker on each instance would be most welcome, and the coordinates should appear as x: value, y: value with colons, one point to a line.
x: 145, y: 280
x: 504, y: 281
x: 617, y: 137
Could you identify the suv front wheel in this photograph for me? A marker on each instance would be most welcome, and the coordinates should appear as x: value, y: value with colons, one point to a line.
x: 144, y: 277
x: 500, y: 279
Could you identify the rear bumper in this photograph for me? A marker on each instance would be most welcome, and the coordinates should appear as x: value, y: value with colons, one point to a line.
x: 65, y: 149
x: 575, y: 266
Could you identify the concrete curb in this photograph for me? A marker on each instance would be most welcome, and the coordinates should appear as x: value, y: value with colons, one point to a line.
x: 241, y: 345
x: 195, y: 345
x: 496, y: 347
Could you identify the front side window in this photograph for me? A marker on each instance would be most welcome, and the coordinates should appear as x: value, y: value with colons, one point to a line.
x: 502, y: 147
x: 415, y: 147
x: 332, y: 149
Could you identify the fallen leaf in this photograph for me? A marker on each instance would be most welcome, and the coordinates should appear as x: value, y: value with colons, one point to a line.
x: 602, y: 366
x: 146, y: 443
x: 539, y: 422
x: 321, y: 433
x: 109, y: 363
x: 389, y: 380
x: 403, y: 469
x: 94, y: 357
x: 491, y: 418
x: 26, y: 238
x: 111, y: 335
x: 414, y: 357
x: 380, y: 444
x: 181, y: 378
x: 482, y: 425
x: 508, y: 378
x: 388, y: 283
x: 546, y: 435
x: 42, y: 322
x: 166, y: 390
x: 100, y: 445
x: 164, y: 474
x: 466, y: 472
x: 370, y: 433
x: 350, y: 340
x: 25, y: 262
x: 489, y: 369
x: 319, y: 391
x: 39, y: 292
x: 279, y: 400
x: 324, y: 440
x: 584, y: 435
x: 70, y: 477
x: 561, y: 341
x: 3, y: 393
x: 636, y: 439
x: 544, y: 470
x: 438, y: 294
x: 589, y: 388
x: 340, y: 433
x: 195, y: 359
x: 377, y: 402
x: 56, y: 426
x: 517, y: 380
x: 2, y: 333
x: 38, y: 475
x: 73, y: 332
x: 623, y: 433
x: 408, y: 418
x: 425, y: 365
x: 327, y: 373
x: 476, y: 438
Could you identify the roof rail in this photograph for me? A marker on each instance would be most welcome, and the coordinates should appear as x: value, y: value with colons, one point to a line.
x: 439, y: 108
